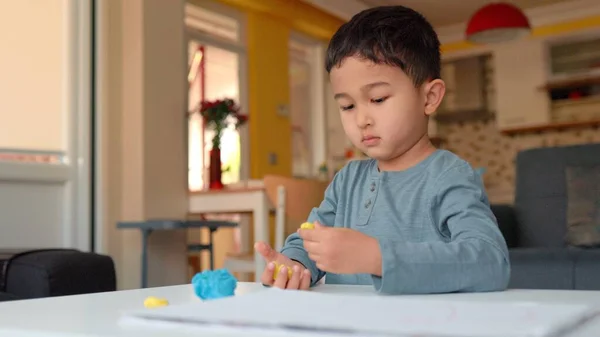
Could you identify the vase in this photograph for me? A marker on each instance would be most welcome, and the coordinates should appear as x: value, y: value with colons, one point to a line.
x: 215, y: 170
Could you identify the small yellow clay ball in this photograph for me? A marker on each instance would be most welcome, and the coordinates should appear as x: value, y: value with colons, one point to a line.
x: 154, y: 302
x: 307, y: 225
x: 278, y: 269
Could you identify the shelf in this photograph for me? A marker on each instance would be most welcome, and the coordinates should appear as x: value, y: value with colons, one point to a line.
x: 581, y: 56
x: 573, y: 81
x: 563, y: 103
x: 551, y: 127
x: 448, y: 117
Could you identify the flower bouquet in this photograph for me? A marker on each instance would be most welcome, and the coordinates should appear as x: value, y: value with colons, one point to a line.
x: 218, y: 115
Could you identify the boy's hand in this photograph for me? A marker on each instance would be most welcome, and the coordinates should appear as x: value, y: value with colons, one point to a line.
x: 300, y: 276
x: 342, y: 250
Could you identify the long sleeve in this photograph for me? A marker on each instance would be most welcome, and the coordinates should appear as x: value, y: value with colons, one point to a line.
x: 325, y: 215
x: 471, y: 255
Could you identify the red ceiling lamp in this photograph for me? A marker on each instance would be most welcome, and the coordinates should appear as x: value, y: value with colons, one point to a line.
x: 497, y: 22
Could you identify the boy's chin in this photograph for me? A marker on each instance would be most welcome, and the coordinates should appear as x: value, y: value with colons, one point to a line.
x: 376, y: 153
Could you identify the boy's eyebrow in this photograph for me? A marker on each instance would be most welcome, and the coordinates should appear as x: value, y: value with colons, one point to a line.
x: 340, y: 95
x: 370, y: 86
x: 364, y: 88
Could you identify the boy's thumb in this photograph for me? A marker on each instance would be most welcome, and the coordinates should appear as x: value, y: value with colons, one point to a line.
x: 266, y: 251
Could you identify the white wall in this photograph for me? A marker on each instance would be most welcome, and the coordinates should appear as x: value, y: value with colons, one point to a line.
x: 34, y: 67
x: 142, y: 135
x: 44, y: 106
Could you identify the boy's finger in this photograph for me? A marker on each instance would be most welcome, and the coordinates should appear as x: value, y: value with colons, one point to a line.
x: 266, y: 251
x: 311, y: 247
x: 314, y: 257
x: 294, y: 282
x: 308, y: 234
x: 282, y: 278
x: 318, y: 225
x: 305, y: 280
x: 267, y: 275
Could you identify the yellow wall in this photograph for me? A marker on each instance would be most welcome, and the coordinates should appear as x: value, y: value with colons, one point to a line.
x: 268, y: 88
x: 537, y: 32
x: 292, y: 14
x: 269, y: 23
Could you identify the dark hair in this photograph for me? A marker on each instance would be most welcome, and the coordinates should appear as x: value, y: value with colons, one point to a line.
x: 393, y: 35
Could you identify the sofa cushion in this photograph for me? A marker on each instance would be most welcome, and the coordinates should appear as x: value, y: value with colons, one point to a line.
x: 541, y: 191
x: 7, y: 297
x: 583, y: 206
x: 542, y: 268
x: 587, y: 269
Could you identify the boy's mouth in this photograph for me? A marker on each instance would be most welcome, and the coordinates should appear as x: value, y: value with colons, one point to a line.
x: 371, y: 140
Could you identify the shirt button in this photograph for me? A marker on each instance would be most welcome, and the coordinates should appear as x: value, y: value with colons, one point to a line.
x: 373, y: 187
x: 367, y: 204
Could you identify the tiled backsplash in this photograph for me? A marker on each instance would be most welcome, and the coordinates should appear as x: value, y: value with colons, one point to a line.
x: 483, y: 145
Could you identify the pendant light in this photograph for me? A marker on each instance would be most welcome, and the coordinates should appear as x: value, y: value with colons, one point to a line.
x: 497, y: 22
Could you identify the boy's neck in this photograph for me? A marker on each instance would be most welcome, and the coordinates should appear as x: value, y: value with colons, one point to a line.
x: 417, y: 153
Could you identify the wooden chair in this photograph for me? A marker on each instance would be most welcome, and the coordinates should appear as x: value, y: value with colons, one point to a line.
x: 294, y: 199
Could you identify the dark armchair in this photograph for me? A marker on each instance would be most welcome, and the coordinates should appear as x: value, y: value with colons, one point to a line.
x: 546, y: 228
x: 54, y: 272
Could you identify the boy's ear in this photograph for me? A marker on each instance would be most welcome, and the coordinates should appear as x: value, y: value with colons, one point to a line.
x: 434, y: 93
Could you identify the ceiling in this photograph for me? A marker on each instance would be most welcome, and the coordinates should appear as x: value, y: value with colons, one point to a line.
x: 448, y: 12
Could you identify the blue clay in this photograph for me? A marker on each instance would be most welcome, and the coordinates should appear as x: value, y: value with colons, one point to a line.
x: 212, y: 284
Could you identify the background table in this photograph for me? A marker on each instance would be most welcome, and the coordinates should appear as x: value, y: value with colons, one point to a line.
x: 147, y: 227
x: 97, y: 315
x: 251, y: 200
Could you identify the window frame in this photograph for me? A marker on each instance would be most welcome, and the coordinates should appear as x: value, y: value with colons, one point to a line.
x: 237, y: 47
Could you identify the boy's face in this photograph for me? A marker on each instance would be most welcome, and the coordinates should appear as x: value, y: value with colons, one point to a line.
x: 383, y: 113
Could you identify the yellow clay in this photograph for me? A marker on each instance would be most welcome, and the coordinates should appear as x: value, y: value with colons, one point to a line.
x: 278, y: 268
x: 154, y: 302
x: 307, y: 225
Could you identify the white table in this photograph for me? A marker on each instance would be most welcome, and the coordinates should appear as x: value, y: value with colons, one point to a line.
x: 97, y: 315
x: 238, y: 200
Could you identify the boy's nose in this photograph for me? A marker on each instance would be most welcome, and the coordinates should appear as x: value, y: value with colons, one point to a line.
x: 363, y: 119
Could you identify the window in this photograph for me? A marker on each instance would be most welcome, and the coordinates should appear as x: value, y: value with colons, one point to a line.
x: 215, y: 61
x: 212, y: 23
x: 579, y: 57
x: 300, y: 99
x: 307, y: 106
x: 470, y: 92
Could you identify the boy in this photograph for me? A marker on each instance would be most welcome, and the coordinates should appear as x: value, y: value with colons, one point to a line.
x: 412, y: 219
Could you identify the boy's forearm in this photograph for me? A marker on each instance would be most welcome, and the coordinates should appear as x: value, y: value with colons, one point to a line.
x: 374, y: 264
x: 294, y: 250
x: 439, y: 267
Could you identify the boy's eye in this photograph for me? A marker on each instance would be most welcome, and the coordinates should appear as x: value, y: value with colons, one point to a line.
x: 347, y: 107
x: 379, y: 100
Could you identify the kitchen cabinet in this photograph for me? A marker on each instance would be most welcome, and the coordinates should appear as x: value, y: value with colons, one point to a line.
x: 521, y: 68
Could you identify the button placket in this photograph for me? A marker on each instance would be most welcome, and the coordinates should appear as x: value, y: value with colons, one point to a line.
x: 368, y: 203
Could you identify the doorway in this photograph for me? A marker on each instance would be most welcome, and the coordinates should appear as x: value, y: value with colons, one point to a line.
x: 216, y: 70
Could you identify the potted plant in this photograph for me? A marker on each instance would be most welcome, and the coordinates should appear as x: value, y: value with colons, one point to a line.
x: 218, y: 115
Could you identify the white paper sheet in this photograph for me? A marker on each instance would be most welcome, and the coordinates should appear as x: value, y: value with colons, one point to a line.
x: 346, y: 314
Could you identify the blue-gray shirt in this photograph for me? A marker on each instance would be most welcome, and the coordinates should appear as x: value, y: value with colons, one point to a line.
x: 433, y: 223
